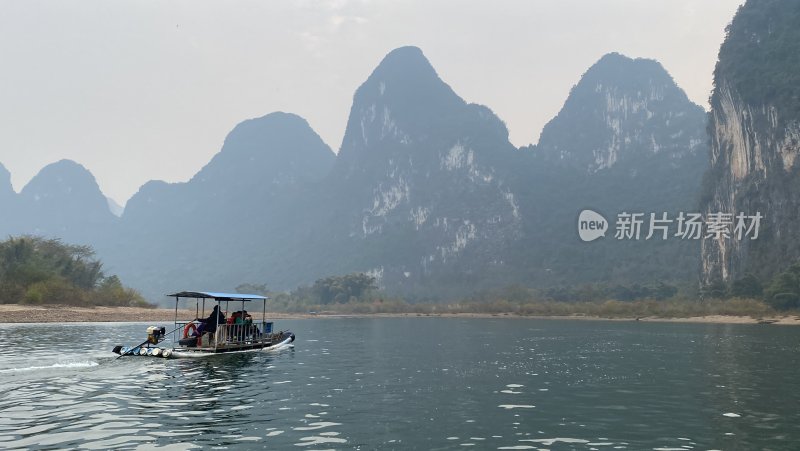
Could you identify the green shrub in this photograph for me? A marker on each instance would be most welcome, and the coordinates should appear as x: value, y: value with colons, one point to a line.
x: 783, y: 292
x: 55, y: 290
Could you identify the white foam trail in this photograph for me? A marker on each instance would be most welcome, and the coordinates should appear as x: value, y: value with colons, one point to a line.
x: 55, y: 365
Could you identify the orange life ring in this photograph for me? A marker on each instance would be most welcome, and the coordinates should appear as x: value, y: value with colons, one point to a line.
x: 186, y: 328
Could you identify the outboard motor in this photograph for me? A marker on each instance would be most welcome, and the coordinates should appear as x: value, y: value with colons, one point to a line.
x: 155, y: 334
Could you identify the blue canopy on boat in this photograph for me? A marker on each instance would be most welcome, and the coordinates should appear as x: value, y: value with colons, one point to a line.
x: 218, y: 296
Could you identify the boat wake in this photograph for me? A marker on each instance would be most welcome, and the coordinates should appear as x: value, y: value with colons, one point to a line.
x: 85, y: 364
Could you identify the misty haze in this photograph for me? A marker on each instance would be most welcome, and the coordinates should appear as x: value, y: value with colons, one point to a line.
x: 364, y: 225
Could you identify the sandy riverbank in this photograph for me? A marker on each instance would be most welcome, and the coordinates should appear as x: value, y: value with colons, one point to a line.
x: 15, y: 313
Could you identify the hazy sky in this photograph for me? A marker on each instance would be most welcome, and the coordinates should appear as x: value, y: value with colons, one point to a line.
x: 141, y: 90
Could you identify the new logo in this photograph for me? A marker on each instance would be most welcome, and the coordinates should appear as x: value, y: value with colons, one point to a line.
x: 591, y: 225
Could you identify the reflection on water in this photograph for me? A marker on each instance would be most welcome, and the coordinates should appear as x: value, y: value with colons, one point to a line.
x: 426, y: 383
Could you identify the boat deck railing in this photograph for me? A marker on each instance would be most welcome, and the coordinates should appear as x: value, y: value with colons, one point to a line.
x: 240, y: 334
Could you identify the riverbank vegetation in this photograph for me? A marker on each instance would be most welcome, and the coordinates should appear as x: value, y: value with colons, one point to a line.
x: 602, y: 309
x: 359, y: 294
x: 36, y: 270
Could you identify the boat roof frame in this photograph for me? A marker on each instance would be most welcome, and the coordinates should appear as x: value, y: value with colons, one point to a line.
x: 218, y: 296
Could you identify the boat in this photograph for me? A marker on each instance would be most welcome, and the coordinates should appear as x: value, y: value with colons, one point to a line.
x: 225, y: 331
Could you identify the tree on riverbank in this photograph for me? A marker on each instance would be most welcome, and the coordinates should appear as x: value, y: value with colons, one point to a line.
x: 783, y: 292
x: 36, y: 270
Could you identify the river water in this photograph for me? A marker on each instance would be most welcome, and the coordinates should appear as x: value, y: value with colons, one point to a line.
x: 411, y: 383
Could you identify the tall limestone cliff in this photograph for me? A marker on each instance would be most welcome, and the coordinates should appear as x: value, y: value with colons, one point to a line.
x: 626, y: 140
x: 755, y: 140
x: 421, y: 182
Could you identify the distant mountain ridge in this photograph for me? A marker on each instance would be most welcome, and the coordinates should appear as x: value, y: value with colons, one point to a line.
x: 63, y: 200
x: 426, y: 193
x: 225, y: 223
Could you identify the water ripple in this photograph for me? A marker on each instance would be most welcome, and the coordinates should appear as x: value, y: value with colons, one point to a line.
x: 353, y: 384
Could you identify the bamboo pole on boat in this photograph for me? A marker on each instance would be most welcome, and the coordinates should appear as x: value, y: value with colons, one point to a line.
x: 176, y: 318
x: 263, y: 320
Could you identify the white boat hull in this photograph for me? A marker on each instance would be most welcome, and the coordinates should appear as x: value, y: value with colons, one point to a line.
x: 189, y: 353
x: 183, y: 353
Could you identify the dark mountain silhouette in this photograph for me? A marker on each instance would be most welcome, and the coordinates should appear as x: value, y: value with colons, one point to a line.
x: 223, y: 225
x: 63, y: 200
